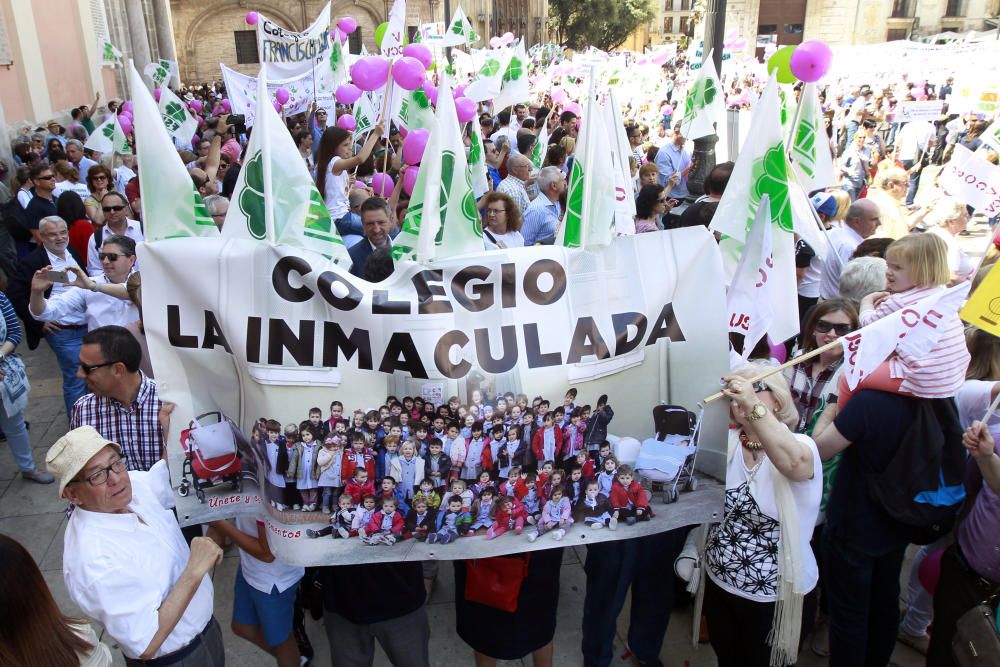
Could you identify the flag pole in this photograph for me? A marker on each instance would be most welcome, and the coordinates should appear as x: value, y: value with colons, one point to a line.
x: 777, y: 369
x: 990, y: 411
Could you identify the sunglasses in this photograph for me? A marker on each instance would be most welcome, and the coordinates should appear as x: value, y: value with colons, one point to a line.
x: 111, y: 256
x: 822, y: 326
x: 88, y: 368
x: 44, y: 178
x: 109, y: 209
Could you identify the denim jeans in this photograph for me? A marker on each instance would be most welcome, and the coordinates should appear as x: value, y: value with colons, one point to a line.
x: 18, y: 439
x: 66, y: 345
x: 912, y: 182
x: 644, y: 564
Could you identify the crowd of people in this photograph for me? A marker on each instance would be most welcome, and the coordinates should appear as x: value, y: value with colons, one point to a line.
x: 804, y: 554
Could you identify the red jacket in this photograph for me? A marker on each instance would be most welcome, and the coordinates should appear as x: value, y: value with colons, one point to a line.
x: 589, y: 469
x: 621, y: 496
x: 537, y: 445
x: 357, y: 492
x: 375, y: 523
x: 517, y: 511
x: 348, y: 465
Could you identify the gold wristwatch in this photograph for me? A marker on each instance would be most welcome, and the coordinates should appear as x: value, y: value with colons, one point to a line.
x: 757, y: 412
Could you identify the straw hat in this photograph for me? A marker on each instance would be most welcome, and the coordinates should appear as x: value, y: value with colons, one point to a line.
x: 70, y: 453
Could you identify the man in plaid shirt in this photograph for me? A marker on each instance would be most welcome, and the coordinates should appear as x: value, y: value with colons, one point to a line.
x: 124, y: 406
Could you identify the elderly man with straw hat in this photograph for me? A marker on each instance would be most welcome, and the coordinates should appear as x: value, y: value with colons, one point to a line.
x: 125, y: 561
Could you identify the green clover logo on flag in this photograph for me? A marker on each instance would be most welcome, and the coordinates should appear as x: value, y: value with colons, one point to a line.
x: 109, y: 131
x: 456, y: 27
x: 475, y: 149
x: 251, y: 200
x: 514, y: 70
x: 490, y: 68
x: 770, y: 177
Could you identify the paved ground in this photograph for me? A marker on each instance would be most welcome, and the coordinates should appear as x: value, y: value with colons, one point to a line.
x: 33, y: 515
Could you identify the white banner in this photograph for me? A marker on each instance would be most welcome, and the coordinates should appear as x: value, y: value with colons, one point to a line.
x: 259, y: 332
x: 910, y: 111
x: 973, y: 180
x: 289, y: 54
x: 242, y: 91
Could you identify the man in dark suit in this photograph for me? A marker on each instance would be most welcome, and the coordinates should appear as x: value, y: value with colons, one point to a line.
x: 377, y: 221
x: 63, y: 337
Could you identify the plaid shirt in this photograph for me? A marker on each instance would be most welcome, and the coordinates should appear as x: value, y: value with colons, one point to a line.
x: 807, y: 391
x: 136, y: 427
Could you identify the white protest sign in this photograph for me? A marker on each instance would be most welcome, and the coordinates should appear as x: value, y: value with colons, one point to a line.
x: 242, y: 91
x: 262, y: 331
x: 289, y: 54
x: 910, y: 111
x: 972, y: 180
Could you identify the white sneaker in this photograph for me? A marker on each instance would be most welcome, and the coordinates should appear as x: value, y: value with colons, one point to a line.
x: 596, y: 525
x: 296, y: 507
x: 531, y: 520
x: 613, y: 523
x: 533, y: 536
x: 558, y: 534
x: 343, y: 532
x: 280, y: 507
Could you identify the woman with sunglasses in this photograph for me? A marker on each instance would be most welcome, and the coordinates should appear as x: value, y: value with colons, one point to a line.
x: 650, y: 207
x: 99, y: 184
x: 758, y: 562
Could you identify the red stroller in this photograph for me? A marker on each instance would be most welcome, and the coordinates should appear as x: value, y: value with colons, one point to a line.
x: 211, y: 456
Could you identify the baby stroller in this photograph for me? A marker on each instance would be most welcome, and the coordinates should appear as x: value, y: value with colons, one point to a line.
x: 211, y: 456
x: 669, y: 458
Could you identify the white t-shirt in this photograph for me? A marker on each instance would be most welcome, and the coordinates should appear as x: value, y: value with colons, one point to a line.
x: 510, y: 240
x: 335, y: 192
x: 740, y: 553
x: 262, y: 576
x: 972, y: 400
x: 958, y: 262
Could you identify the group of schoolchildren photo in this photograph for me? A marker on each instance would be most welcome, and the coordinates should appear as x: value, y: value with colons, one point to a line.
x: 413, y: 469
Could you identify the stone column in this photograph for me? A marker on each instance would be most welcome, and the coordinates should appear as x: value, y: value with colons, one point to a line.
x: 164, y: 30
x: 137, y: 34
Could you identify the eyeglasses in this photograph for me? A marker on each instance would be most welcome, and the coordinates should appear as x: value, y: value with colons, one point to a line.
x: 822, y: 326
x: 100, y: 477
x: 111, y: 256
x: 495, y: 211
x: 109, y: 209
x: 99, y: 177
x: 45, y: 178
x: 90, y: 368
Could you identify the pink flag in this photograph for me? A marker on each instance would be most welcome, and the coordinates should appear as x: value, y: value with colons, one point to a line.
x: 914, y: 330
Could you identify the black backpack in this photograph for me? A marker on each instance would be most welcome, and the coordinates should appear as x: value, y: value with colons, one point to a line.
x: 922, y: 485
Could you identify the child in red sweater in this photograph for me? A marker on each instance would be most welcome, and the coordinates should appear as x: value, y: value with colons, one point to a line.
x: 386, y: 526
x: 628, y: 499
x: 360, y: 486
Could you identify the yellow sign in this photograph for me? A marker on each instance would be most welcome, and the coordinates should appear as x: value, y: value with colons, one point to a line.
x: 983, y: 308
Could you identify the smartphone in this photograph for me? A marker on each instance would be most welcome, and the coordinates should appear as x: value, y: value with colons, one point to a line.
x: 57, y: 276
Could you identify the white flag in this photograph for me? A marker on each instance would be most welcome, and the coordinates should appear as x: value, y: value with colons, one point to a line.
x: 514, y: 82
x: 973, y: 179
x: 750, y: 299
x: 171, y: 206
x: 620, y: 152
x: 489, y: 79
x: 459, y: 31
x: 339, y: 71
x: 161, y: 72
x: 913, y: 329
x: 395, y: 32
x: 365, y: 116
x: 477, y: 161
x: 704, y: 105
x: 108, y: 137
x: 180, y: 123
x: 810, y: 151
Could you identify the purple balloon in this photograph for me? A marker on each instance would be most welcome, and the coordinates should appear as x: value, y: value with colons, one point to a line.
x: 195, y: 105
x: 466, y: 109
x: 227, y: 106
x: 410, y: 179
x: 359, y: 184
x: 347, y: 122
x: 382, y: 185
x: 496, y: 42
x: 574, y: 107
x: 126, y: 114
x: 277, y: 106
x: 252, y: 18
x: 127, y: 106
x: 408, y: 73
x: 156, y: 94
x: 370, y: 73
x: 459, y: 91
x: 126, y: 124
x: 431, y: 91
x: 282, y: 95
x: 810, y: 60
x: 403, y: 132
x: 348, y: 94
x: 347, y: 25
x: 420, y: 52
x: 414, y: 145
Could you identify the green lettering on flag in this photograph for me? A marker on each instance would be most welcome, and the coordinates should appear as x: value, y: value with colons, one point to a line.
x: 804, y: 146
x: 201, y: 214
x: 251, y: 200
x: 770, y: 176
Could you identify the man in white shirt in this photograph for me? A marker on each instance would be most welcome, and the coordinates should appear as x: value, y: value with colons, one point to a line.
x: 117, y: 223
x: 861, y: 222
x: 505, y: 131
x: 74, y: 151
x: 125, y: 561
x: 913, y: 141
x: 90, y: 297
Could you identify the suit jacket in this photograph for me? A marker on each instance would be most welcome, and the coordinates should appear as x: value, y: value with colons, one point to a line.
x: 19, y: 290
x: 359, y: 252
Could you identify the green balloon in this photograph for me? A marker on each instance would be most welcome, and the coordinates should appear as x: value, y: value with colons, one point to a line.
x: 380, y: 33
x: 781, y: 64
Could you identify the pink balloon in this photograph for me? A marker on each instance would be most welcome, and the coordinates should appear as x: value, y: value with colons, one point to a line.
x: 402, y: 132
x: 370, y: 73
x: 347, y: 122
x: 347, y: 25
x: 660, y: 58
x: 195, y: 105
x: 668, y: 111
x: 558, y: 95
x: 574, y: 107
x: 459, y: 92
x: 359, y: 184
x: 408, y: 73
x: 507, y: 38
x: 126, y: 123
x: 410, y: 179
x: 348, y: 94
x: 420, y: 52
x: 930, y: 571
x: 343, y: 38
x: 227, y: 106
x: 810, y: 60
x: 382, y: 185
x: 277, y: 106
x: 127, y: 106
x: 778, y: 352
x: 252, y: 18
x: 282, y: 95
x: 126, y: 114
x: 431, y: 91
x: 414, y: 144
x: 156, y: 94
x: 495, y: 42
x: 466, y: 109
